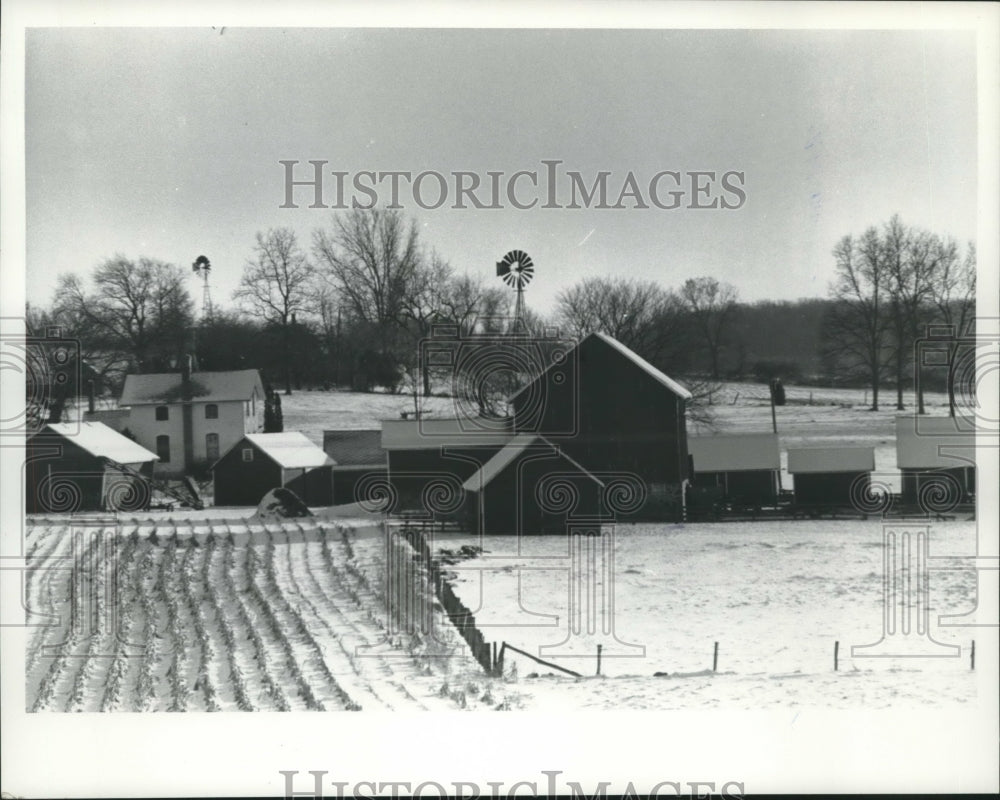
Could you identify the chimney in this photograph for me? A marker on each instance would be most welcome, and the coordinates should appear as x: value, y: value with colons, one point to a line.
x: 90, y: 397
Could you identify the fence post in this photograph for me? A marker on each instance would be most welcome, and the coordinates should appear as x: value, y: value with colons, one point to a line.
x: 715, y: 657
x: 599, y: 648
x: 972, y: 656
x: 836, y: 653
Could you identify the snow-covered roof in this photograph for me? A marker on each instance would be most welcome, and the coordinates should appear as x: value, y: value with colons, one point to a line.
x: 831, y: 459
x: 101, y: 441
x: 927, y: 442
x: 509, y: 453
x: 355, y: 448
x: 430, y: 434
x: 290, y: 450
x: 165, y: 387
x: 735, y: 452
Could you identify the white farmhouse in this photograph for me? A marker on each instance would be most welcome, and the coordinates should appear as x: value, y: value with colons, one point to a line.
x: 189, y: 419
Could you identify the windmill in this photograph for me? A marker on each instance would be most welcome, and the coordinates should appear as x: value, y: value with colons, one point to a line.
x: 202, y: 266
x: 517, y: 269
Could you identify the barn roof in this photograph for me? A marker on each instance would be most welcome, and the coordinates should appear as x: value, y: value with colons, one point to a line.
x: 430, y: 434
x: 735, y: 452
x: 924, y: 442
x: 831, y: 459
x: 290, y: 450
x: 635, y: 358
x: 360, y: 448
x: 509, y: 453
x: 103, y: 442
x: 165, y: 387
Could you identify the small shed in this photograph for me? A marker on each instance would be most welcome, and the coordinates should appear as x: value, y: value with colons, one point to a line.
x: 85, y: 466
x: 529, y: 486
x: 937, y: 455
x: 831, y: 476
x: 357, y: 454
x: 742, y: 468
x: 260, y: 462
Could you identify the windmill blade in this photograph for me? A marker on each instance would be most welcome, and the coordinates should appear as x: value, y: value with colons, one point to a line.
x: 502, y: 268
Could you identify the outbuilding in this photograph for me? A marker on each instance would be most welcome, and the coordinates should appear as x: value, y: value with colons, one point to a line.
x: 831, y: 476
x: 358, y: 459
x: 85, y: 466
x: 260, y: 462
x: 936, y: 458
x: 742, y: 469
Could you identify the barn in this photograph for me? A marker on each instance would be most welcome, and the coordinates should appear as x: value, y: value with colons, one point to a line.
x: 357, y: 455
x: 741, y: 469
x: 260, y: 462
x: 613, y: 412
x: 529, y: 486
x: 88, y: 466
x: 936, y: 458
x: 831, y: 476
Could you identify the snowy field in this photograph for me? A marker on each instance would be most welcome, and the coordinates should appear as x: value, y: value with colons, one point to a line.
x: 775, y: 596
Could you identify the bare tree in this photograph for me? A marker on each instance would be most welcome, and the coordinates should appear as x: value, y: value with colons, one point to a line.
x: 423, y: 305
x: 953, y: 293
x: 712, y: 305
x: 855, y: 327
x: 276, y: 286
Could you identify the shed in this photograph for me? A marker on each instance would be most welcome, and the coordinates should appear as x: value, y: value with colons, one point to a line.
x: 357, y: 454
x: 936, y: 455
x: 260, y: 462
x: 612, y: 411
x: 530, y: 486
x: 831, y: 476
x: 744, y: 468
x: 427, y: 454
x: 85, y: 467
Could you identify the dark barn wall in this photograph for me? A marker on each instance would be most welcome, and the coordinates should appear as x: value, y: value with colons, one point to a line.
x: 914, y: 479
x: 314, y: 487
x: 826, y: 488
x: 411, y: 470
x: 241, y: 483
x: 750, y: 486
x: 345, y: 483
x: 621, y: 417
x: 80, y: 472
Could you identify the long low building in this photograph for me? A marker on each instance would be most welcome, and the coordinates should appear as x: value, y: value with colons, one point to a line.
x: 831, y: 476
x: 739, y: 468
x: 936, y: 457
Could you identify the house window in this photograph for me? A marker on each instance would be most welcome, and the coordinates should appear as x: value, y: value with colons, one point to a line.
x: 211, y: 411
x: 248, y: 454
x: 212, y: 446
x: 163, y: 448
x: 246, y: 403
x: 162, y: 413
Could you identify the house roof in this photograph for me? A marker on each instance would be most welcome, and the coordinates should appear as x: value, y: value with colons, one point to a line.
x: 509, y: 453
x: 831, y: 459
x: 430, y: 434
x: 290, y: 450
x: 101, y: 441
x: 635, y: 358
x: 925, y: 442
x: 735, y: 452
x: 165, y: 387
x: 360, y: 448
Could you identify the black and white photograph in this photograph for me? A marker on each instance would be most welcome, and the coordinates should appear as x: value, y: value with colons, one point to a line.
x: 500, y: 401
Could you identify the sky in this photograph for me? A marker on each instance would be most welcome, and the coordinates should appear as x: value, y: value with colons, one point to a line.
x: 166, y: 143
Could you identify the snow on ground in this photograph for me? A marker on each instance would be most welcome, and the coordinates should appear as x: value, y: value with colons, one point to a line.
x: 776, y: 596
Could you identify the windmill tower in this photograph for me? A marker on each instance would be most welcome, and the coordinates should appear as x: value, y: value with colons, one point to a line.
x: 517, y: 269
x: 202, y: 266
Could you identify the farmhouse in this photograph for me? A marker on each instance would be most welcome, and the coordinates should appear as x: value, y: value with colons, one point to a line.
x: 831, y: 476
x: 357, y: 454
x: 428, y: 460
x: 259, y: 462
x: 611, y: 411
x: 936, y: 456
x: 70, y: 467
x: 189, y: 418
x: 529, y: 486
x: 742, y: 469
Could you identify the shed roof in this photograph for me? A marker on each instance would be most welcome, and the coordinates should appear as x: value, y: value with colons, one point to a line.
x: 355, y: 448
x: 924, y: 442
x: 509, y: 453
x: 735, y: 452
x: 831, y: 459
x: 290, y: 450
x: 165, y: 387
x: 430, y: 434
x: 101, y: 441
